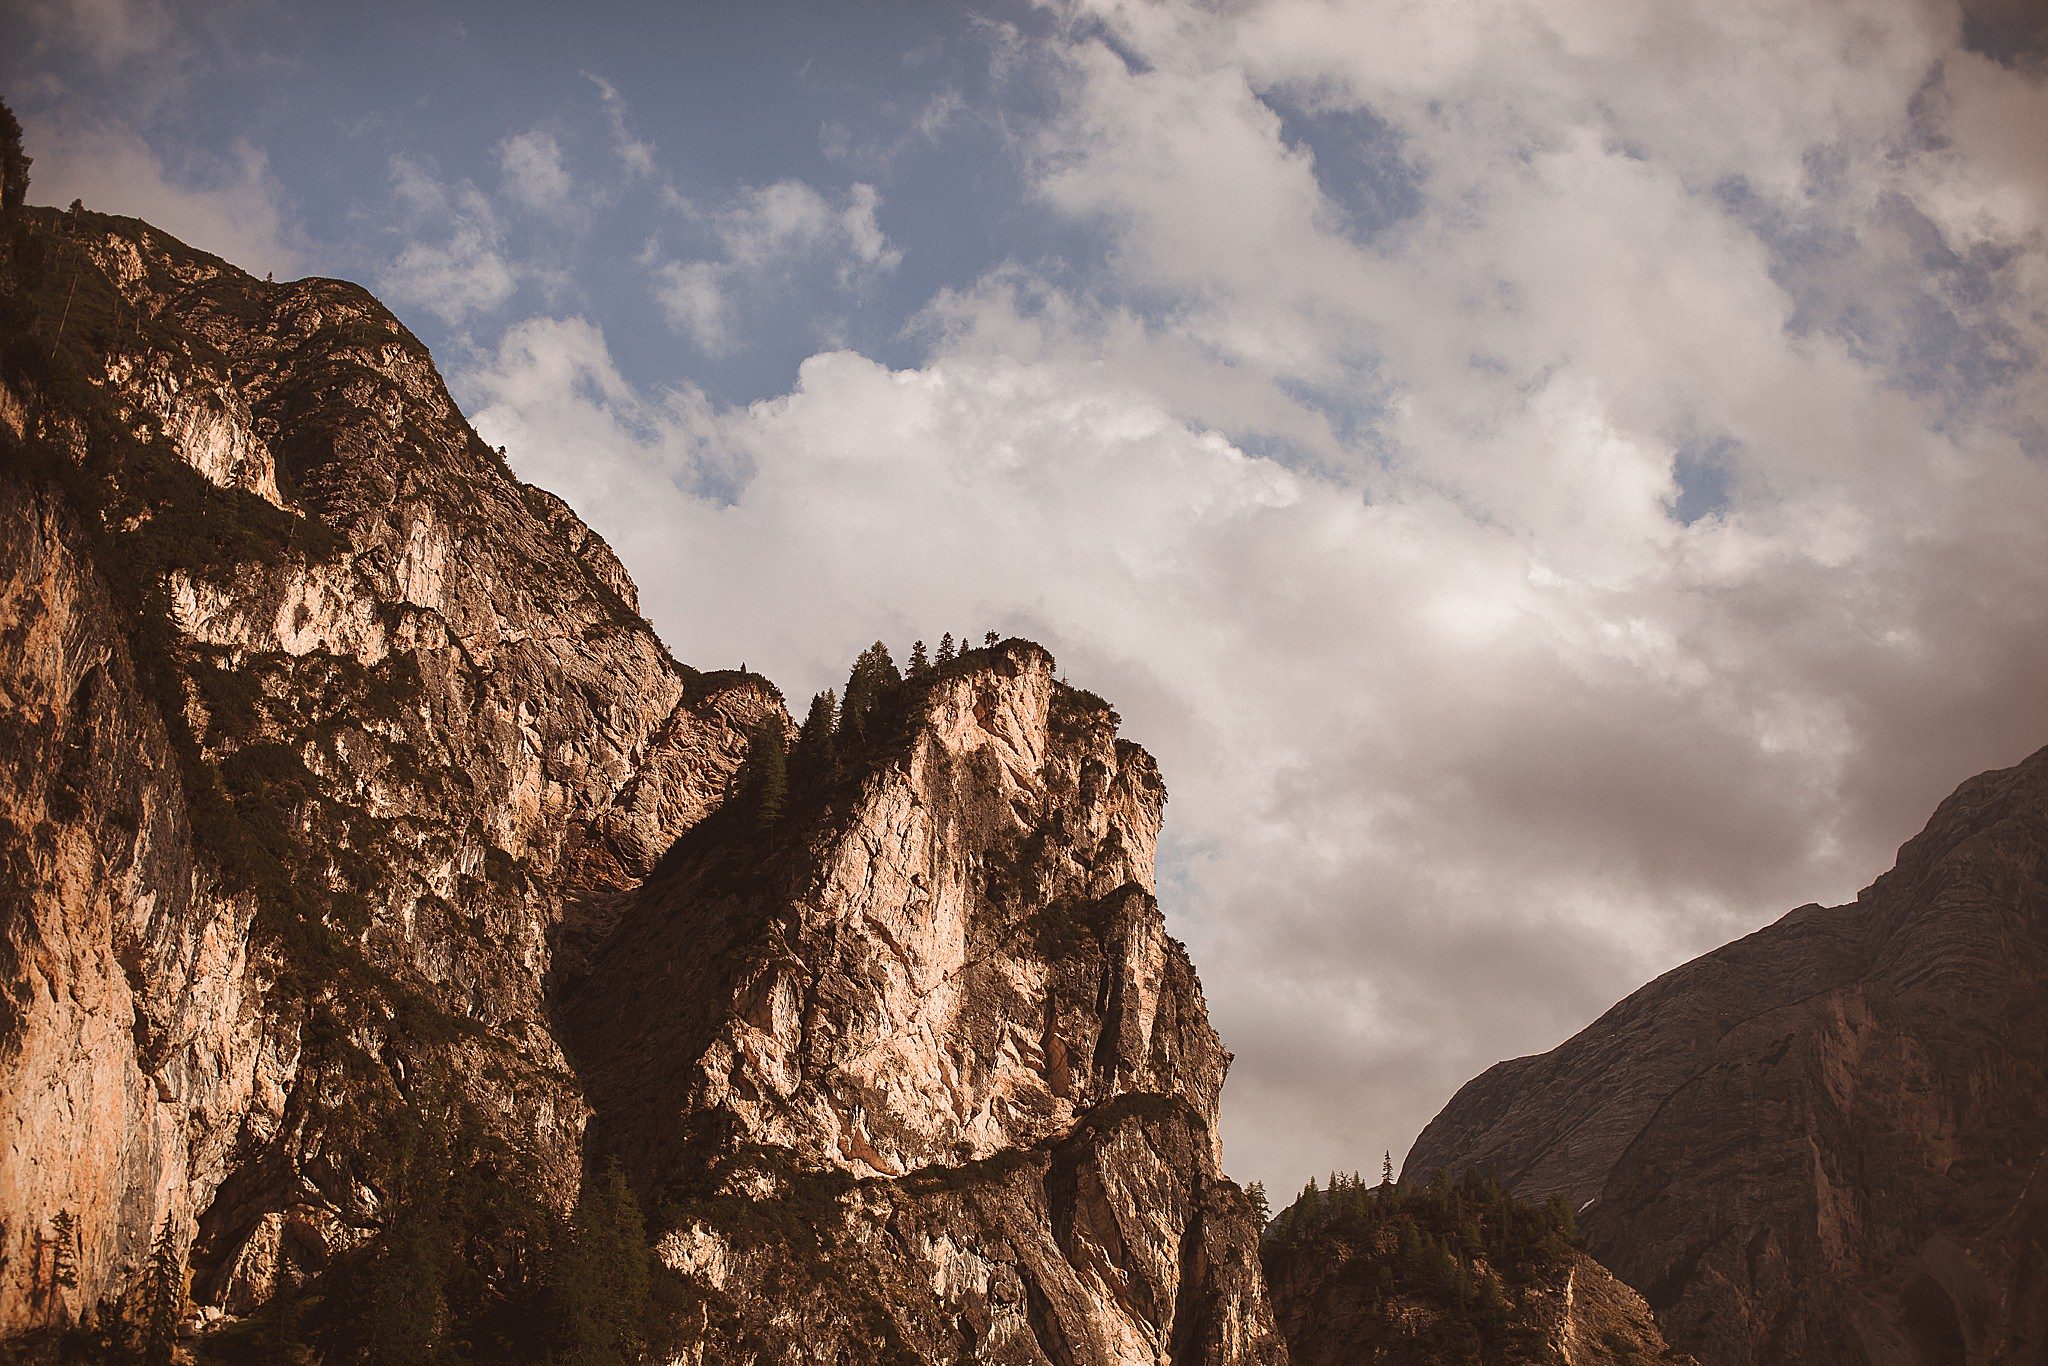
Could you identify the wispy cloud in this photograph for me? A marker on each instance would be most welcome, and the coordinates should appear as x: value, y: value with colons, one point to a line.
x: 765, y: 235
x: 452, y: 260
x: 635, y: 154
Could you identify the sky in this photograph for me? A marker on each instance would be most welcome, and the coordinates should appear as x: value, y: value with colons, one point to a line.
x: 1557, y: 485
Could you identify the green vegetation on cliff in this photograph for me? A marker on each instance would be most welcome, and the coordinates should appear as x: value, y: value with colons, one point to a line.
x: 1458, y: 1272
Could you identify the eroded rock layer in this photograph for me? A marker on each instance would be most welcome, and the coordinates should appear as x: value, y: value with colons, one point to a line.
x: 1825, y: 1142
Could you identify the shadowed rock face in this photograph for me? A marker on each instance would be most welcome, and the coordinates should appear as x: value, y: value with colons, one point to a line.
x: 341, y: 782
x: 1825, y: 1141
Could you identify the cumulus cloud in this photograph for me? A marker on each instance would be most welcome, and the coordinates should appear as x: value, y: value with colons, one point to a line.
x: 1625, y: 537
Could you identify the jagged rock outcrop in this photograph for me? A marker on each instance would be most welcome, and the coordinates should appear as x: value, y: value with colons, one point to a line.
x: 350, y: 812
x: 1825, y: 1142
x: 919, y: 1067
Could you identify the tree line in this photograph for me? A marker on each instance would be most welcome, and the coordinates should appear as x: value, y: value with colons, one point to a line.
x: 841, y: 727
x: 1465, y: 1249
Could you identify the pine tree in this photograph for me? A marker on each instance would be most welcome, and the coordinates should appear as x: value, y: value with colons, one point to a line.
x: 945, y: 655
x: 868, y: 687
x: 400, y: 1311
x: 771, y: 771
x: 991, y: 640
x: 163, y: 1300
x: 14, y: 163
x: 814, y: 756
x: 1387, y: 1167
x: 1493, y: 1305
x: 1262, y: 1210
x: 602, y: 1282
x: 104, y: 1334
x: 920, y: 662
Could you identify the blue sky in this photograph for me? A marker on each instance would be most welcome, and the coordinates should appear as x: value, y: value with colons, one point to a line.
x: 901, y: 99
x: 1556, y: 485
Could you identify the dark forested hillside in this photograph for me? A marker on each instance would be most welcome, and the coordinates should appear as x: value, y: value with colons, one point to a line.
x: 1455, y: 1272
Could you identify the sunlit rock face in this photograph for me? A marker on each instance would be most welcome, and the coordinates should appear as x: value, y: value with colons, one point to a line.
x: 343, y: 787
x: 1823, y: 1142
x: 306, y: 758
x: 942, y: 1030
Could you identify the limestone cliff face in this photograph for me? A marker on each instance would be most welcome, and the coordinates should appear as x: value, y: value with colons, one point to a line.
x: 925, y: 1050
x: 343, y: 790
x: 318, y: 722
x: 1824, y: 1142
x: 134, y: 1038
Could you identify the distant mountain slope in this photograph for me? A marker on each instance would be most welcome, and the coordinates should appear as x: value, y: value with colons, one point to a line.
x: 1828, y: 1141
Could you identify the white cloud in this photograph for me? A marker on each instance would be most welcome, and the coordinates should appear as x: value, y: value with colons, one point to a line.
x: 534, y: 175
x: 453, y: 260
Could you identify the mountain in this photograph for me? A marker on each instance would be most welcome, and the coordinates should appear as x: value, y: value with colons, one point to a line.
x: 395, y: 934
x: 1457, y: 1272
x: 1824, y: 1142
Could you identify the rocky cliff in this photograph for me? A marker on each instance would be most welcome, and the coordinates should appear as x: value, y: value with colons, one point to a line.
x: 349, y: 812
x: 919, y: 1066
x: 317, y: 722
x: 1824, y: 1142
